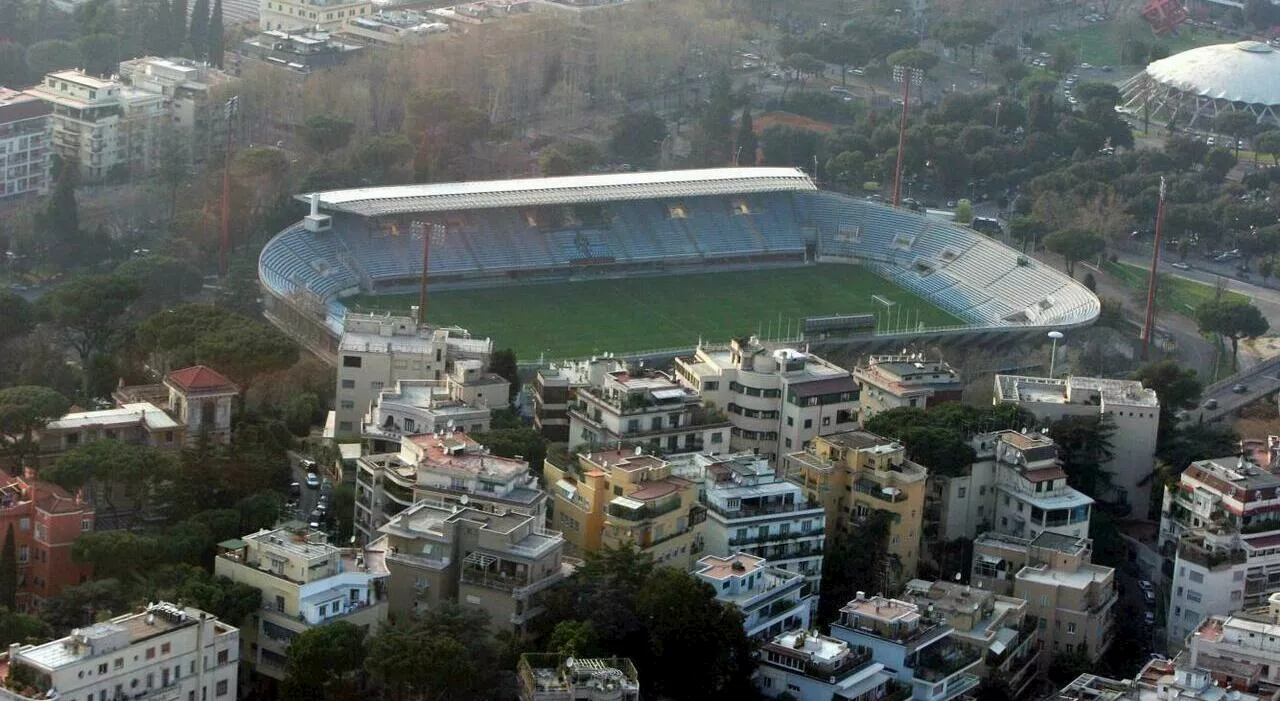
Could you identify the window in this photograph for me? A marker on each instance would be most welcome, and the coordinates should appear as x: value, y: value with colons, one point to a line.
x: 375, y: 385
x: 808, y: 423
x: 118, y: 664
x: 1196, y: 577
x: 348, y: 384
x: 351, y: 361
x: 164, y: 648
x: 1238, y: 575
x: 86, y: 524
x: 962, y: 492
x: 151, y: 655
x: 1071, y: 628
x: 23, y: 553
x: 24, y: 524
x: 791, y: 421
x: 221, y: 688
x: 102, y: 668
x: 223, y: 655
x: 1193, y: 596
x: 826, y: 421
x: 344, y: 425
x: 347, y: 404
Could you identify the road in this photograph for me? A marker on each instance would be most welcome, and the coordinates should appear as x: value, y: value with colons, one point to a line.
x: 309, y: 496
x: 1259, y: 381
x: 1266, y: 299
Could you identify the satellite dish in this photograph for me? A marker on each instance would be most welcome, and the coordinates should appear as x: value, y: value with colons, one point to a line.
x: 464, y: 499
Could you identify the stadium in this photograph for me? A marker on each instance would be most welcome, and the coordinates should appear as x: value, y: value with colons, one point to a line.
x: 630, y: 262
x: 1193, y: 87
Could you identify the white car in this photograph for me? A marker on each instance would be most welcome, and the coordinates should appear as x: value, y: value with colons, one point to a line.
x: 313, y: 480
x: 1149, y: 618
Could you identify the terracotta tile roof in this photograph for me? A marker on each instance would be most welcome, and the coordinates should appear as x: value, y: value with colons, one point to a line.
x: 199, y: 378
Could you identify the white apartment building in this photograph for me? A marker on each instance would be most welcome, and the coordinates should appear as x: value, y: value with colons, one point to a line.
x: 776, y: 398
x: 911, y: 380
x: 305, y: 582
x: 1159, y: 680
x: 25, y: 132
x: 103, y: 124
x: 1241, y: 650
x: 1133, y: 409
x: 913, y: 643
x: 645, y: 408
x: 1221, y: 526
x: 449, y: 469
x: 1016, y: 486
x: 771, y: 600
x: 197, y: 116
x: 413, y: 407
x: 323, y: 15
x: 813, y: 667
x: 752, y: 510
x: 376, y: 350
x: 165, y: 652
x: 556, y: 385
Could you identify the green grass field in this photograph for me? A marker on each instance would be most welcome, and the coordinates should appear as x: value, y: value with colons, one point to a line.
x: 1174, y: 294
x: 1098, y: 44
x: 573, y: 319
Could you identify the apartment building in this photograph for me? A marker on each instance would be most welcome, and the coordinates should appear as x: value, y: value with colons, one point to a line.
x: 1158, y: 680
x: 1239, y: 650
x: 315, y: 15
x: 297, y: 53
x: 165, y: 652
x: 377, y: 350
x: 771, y: 600
x: 554, y: 677
x: 45, y: 521
x: 554, y: 387
x: 413, y: 407
x: 25, y: 133
x: 447, y: 468
x: 1220, y: 525
x: 809, y: 666
x: 751, y: 509
x: 103, y: 125
x: 499, y: 562
x: 196, y: 112
x: 1133, y: 409
x: 1069, y: 598
x: 777, y: 399
x: 199, y: 398
x: 645, y: 408
x: 854, y: 473
x: 995, y: 626
x: 910, y: 380
x: 913, y: 643
x: 611, y: 498
x: 305, y: 582
x: 1015, y: 486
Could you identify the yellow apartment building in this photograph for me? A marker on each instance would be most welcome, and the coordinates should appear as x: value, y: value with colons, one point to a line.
x: 854, y: 473
x: 614, y: 497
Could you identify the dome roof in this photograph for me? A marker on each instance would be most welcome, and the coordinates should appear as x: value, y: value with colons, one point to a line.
x: 1246, y: 71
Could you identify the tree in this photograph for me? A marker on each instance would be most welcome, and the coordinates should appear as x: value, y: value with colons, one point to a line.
x: 217, y: 38
x: 745, y: 144
x: 913, y: 58
x: 784, y: 145
x: 1268, y: 142
x: 1176, y: 386
x: 698, y: 648
x: 552, y: 163
x: 16, y: 316
x: 321, y: 660
x: 1232, y: 319
x: 637, y: 137
x: 199, y: 33
x: 100, y: 53
x: 45, y: 57
x: 1218, y: 162
x: 525, y: 442
x: 854, y: 561
x: 162, y: 281
x: 434, y: 656
x: 133, y: 471
x: 1027, y: 230
x: 88, y: 312
x: 1238, y: 124
x: 1074, y: 245
x: 1195, y: 441
x: 1090, y: 282
x: 992, y: 688
x: 1266, y: 268
x: 575, y: 638
x: 713, y: 132
x: 1065, y: 666
x: 964, y: 212
x: 1085, y: 445
x: 503, y: 362
x: 9, y: 572
x: 229, y: 600
x: 21, y: 628
x: 324, y: 133
x: 60, y: 221
x: 24, y: 410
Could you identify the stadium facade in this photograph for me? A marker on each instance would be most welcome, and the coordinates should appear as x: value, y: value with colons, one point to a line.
x: 1193, y: 87
x: 485, y: 234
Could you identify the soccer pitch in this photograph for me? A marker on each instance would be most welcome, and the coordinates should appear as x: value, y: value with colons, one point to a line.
x: 574, y: 319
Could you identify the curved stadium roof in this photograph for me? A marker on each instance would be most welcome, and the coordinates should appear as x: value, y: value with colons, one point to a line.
x: 1246, y: 71
x: 575, y: 189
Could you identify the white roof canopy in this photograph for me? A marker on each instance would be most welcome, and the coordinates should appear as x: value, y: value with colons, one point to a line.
x: 1246, y: 71
x: 574, y: 189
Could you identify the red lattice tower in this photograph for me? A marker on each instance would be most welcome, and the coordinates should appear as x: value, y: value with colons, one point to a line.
x: 1164, y: 16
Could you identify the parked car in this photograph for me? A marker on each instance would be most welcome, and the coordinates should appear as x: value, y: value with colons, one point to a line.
x: 309, y: 465
x: 1239, y: 389
x: 1181, y: 266
x: 1149, y: 618
x: 1211, y: 404
x: 313, y: 480
x: 295, y: 490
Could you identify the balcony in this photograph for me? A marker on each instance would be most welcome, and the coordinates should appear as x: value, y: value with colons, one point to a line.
x: 874, y: 489
x: 1193, y: 550
x: 499, y: 581
x: 777, y: 537
x: 941, y: 660
x: 750, y: 510
x: 419, y: 561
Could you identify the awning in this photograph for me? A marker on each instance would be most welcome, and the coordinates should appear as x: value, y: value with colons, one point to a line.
x: 989, y: 560
x: 1004, y: 638
x: 627, y: 503
x: 233, y: 544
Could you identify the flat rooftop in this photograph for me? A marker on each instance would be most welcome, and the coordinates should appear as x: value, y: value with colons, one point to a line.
x: 819, y: 649
x: 460, y: 453
x: 625, y: 460
x: 1235, y: 477
x: 884, y: 609
x: 736, y: 565
x: 157, y: 619
x: 1062, y: 543
x: 143, y: 413
x: 1074, y: 390
x: 1079, y: 579
x: 861, y: 440
x: 305, y: 543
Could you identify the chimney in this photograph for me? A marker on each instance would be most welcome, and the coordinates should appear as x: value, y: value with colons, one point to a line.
x: 315, y: 204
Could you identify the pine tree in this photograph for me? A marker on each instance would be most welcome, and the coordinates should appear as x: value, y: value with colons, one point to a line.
x: 9, y: 572
x: 746, y: 140
x: 216, y: 37
x: 199, y: 36
x: 60, y: 221
x: 178, y: 24
x: 9, y: 20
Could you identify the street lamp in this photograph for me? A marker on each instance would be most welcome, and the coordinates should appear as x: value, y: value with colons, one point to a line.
x: 1053, y: 354
x: 908, y: 76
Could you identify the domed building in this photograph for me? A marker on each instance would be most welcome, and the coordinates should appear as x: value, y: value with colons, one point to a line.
x: 1193, y: 87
